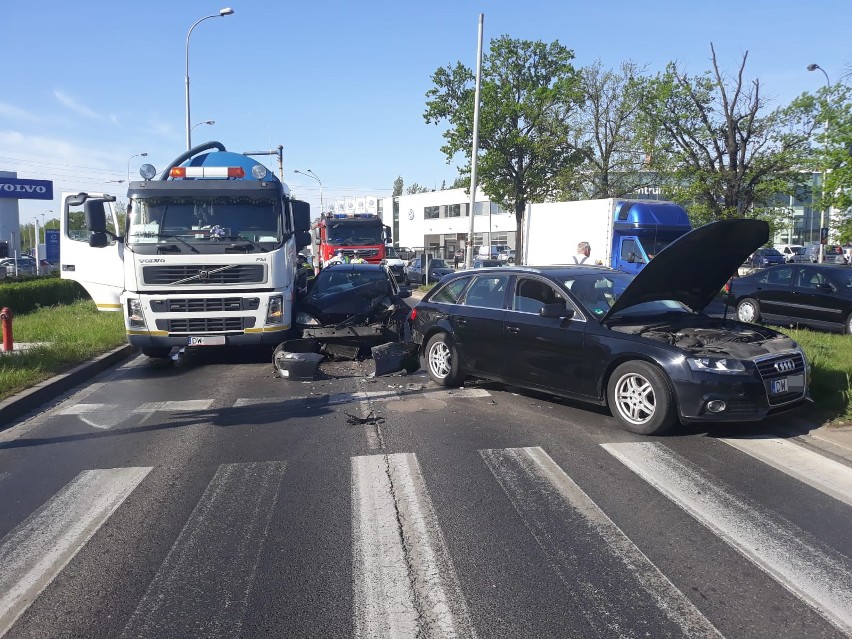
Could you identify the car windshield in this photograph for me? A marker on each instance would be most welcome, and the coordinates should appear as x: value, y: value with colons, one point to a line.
x: 204, y: 220
x: 437, y: 264
x: 390, y: 252
x: 770, y: 251
x: 332, y: 280
x: 355, y: 233
x: 599, y: 292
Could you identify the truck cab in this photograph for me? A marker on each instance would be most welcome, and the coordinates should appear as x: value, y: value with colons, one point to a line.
x: 642, y: 229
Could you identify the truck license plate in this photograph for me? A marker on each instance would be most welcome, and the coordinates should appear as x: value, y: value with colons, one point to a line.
x: 206, y: 340
x: 779, y: 386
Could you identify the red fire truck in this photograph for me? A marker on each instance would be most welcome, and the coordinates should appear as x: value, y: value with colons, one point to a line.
x: 350, y: 232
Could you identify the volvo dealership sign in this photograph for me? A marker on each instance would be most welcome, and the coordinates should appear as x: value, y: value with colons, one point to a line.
x: 26, y: 189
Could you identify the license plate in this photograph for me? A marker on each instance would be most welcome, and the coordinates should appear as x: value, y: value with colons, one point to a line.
x: 778, y: 386
x: 206, y: 340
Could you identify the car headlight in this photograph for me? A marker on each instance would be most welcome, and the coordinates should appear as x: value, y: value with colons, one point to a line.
x: 716, y: 365
x: 306, y: 320
x: 134, y: 313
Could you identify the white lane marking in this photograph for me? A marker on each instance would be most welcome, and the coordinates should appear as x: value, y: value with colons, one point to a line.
x: 549, y: 480
x: 38, y: 549
x: 263, y: 401
x: 180, y: 405
x: 405, y: 582
x: 3, y: 476
x: 816, y: 574
x: 203, y: 585
x: 81, y: 409
x: 809, y: 467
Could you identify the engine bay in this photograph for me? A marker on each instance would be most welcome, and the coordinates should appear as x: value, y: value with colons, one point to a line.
x: 714, y: 337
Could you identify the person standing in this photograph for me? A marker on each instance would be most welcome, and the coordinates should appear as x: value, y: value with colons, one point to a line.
x: 358, y: 259
x: 584, y: 250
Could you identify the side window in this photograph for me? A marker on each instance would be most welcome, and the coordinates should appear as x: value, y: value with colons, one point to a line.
x: 75, y: 227
x: 487, y: 291
x: 628, y: 247
x: 532, y: 294
x: 809, y: 278
x: 451, y: 293
x: 778, y: 276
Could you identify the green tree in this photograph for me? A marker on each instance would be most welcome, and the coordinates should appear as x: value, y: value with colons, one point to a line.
x: 607, y: 131
x: 715, y: 147
x: 830, y: 110
x: 416, y: 188
x: 397, y: 186
x: 528, y: 90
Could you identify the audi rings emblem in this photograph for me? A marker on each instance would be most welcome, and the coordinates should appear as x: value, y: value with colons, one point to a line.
x: 785, y: 366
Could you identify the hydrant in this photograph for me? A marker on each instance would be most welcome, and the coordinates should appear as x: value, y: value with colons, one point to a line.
x: 6, y: 321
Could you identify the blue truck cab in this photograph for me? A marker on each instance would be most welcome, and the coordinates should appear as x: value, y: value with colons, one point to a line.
x: 642, y: 229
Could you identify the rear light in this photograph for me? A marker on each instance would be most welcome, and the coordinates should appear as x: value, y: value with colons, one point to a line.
x: 728, y: 286
x: 413, y: 314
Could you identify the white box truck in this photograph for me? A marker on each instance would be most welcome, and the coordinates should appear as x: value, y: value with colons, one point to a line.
x: 623, y: 234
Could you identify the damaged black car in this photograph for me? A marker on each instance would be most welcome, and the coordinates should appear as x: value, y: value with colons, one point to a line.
x: 350, y: 311
x: 640, y: 345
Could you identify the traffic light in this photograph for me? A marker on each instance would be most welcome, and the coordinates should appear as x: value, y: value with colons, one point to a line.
x: 823, y: 236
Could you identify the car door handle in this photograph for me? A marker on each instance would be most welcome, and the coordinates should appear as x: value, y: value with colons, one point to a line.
x: 513, y: 329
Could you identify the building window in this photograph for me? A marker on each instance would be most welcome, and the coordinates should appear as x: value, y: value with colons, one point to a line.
x: 454, y: 210
x: 431, y: 212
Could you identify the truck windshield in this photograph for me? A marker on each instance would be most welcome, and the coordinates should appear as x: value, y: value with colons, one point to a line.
x: 199, y: 220
x: 653, y: 245
x: 355, y: 233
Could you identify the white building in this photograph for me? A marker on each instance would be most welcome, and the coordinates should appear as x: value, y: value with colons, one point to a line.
x: 439, y: 221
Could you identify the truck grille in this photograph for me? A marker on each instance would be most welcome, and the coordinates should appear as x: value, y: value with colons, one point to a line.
x: 205, y: 324
x: 365, y: 253
x: 200, y: 275
x: 205, y: 305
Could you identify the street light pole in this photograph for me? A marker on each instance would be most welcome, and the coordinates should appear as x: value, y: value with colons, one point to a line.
x: 200, y: 123
x: 222, y: 13
x: 814, y: 67
x: 311, y: 174
x: 138, y: 155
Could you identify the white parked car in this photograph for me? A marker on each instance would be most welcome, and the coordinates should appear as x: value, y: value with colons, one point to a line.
x: 788, y: 251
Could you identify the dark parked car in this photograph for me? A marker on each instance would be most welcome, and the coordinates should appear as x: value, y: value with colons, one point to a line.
x: 637, y: 344
x: 480, y: 262
x: 414, y: 273
x: 818, y: 295
x: 766, y: 257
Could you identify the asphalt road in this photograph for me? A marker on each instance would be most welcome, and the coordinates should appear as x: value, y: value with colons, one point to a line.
x: 210, y: 498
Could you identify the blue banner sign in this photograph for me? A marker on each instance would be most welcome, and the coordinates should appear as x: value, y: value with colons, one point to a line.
x: 26, y: 189
x: 51, y: 245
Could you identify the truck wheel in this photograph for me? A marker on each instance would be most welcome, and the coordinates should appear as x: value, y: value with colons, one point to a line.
x: 640, y: 398
x: 442, y: 360
x: 157, y: 352
x: 748, y: 310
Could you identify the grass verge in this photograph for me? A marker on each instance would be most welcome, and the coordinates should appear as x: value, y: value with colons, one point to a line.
x: 830, y: 357
x: 69, y: 334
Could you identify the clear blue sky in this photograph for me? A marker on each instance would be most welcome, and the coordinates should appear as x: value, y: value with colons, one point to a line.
x: 341, y: 85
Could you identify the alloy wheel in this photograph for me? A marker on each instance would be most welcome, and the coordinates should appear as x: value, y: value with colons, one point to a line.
x: 440, y: 361
x: 634, y: 398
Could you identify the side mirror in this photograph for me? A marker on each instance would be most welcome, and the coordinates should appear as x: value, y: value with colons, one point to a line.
x: 388, y: 235
x: 557, y: 310
x: 404, y: 292
x: 95, y: 215
x: 303, y: 239
x: 301, y: 215
x: 77, y: 200
x: 98, y: 240
x: 317, y: 241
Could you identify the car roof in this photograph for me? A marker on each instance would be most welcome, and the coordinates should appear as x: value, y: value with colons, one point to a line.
x: 354, y: 267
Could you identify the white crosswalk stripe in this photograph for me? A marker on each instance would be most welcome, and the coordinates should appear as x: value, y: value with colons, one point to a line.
x: 37, y: 550
x: 809, y: 467
x: 548, y: 500
x: 203, y: 585
x: 816, y: 574
x: 405, y: 583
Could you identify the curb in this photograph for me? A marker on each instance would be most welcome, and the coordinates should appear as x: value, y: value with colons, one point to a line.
x: 31, y: 398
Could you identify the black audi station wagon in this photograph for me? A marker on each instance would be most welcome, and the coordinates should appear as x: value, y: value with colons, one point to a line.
x: 640, y: 345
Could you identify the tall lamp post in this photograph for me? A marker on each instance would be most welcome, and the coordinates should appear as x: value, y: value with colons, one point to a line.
x: 310, y: 173
x: 814, y: 67
x: 200, y: 123
x: 222, y: 13
x: 138, y: 155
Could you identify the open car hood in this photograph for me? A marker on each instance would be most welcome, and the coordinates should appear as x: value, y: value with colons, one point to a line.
x: 694, y: 268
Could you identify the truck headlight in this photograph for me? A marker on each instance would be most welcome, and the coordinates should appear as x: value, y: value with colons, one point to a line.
x: 134, y: 313
x: 716, y: 365
x: 275, y: 310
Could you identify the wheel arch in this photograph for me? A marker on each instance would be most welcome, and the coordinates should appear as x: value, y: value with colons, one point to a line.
x: 632, y: 357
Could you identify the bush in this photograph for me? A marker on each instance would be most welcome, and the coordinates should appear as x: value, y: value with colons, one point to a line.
x: 28, y: 295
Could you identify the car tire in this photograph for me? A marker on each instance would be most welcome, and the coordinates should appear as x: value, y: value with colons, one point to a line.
x: 442, y: 361
x: 640, y: 398
x: 748, y: 310
x: 848, y: 326
x: 158, y: 352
